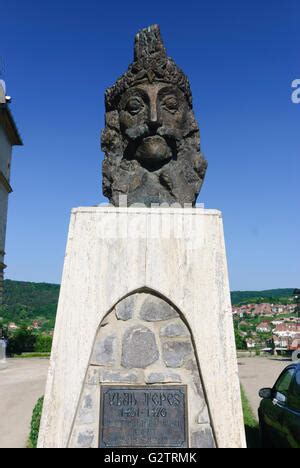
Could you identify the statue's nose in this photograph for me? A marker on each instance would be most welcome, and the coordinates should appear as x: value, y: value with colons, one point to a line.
x: 154, y: 122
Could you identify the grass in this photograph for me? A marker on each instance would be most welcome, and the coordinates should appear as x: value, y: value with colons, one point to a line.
x: 251, y: 424
x: 32, y: 355
x: 35, y: 424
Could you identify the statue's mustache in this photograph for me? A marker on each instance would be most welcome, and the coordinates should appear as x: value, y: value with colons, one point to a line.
x: 139, y: 132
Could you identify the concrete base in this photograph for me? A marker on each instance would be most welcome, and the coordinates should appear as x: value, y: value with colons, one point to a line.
x: 179, y: 254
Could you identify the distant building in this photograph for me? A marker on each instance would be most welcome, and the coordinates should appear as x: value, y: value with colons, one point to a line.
x: 36, y: 325
x: 292, y: 320
x: 251, y: 344
x: 9, y: 137
x: 264, y: 327
x: 278, y: 309
x: 277, y: 322
x: 281, y: 341
x: 264, y: 309
x: 288, y: 330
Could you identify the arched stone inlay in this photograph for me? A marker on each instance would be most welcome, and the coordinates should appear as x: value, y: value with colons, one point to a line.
x: 142, y: 341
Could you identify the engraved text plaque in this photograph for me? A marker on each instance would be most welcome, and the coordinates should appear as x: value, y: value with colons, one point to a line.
x: 146, y: 416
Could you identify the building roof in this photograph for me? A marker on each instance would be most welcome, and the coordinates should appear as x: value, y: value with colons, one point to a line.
x: 287, y: 327
x: 9, y: 125
x: 264, y: 325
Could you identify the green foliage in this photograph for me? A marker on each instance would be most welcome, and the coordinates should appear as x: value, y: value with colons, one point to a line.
x: 3, y: 330
x: 245, y: 328
x: 32, y: 355
x: 272, y: 296
x: 29, y: 301
x: 35, y: 424
x: 240, y: 341
x: 43, y: 344
x: 24, y: 302
x: 251, y: 424
x: 23, y: 341
x: 30, y: 294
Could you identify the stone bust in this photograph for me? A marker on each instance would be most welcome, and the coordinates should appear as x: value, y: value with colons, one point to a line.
x: 151, y: 139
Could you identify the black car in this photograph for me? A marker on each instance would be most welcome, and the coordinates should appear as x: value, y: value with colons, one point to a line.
x: 279, y: 411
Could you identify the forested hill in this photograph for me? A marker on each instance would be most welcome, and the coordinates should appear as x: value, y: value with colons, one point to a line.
x: 25, y: 301
x: 31, y: 294
x: 280, y: 296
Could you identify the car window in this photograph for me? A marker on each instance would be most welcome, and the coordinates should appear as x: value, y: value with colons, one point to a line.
x: 294, y: 393
x: 284, y: 382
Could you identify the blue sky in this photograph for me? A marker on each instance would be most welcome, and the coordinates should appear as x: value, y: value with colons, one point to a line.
x: 241, y: 57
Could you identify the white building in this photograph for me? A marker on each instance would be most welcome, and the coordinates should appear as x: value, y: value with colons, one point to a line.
x: 275, y: 323
x: 9, y: 137
x: 251, y: 344
x: 264, y: 327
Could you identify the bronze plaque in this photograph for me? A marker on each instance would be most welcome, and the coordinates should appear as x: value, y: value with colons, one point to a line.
x: 143, y: 416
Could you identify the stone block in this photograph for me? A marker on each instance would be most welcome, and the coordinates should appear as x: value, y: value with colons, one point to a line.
x: 125, y: 308
x: 87, y: 412
x: 176, y: 352
x: 175, y: 329
x: 139, y: 348
x: 203, y: 416
x: 93, y: 376
x: 203, y: 438
x: 162, y: 377
x: 104, y: 351
x: 85, y: 439
x: 192, y: 366
x: 155, y: 309
x: 118, y: 377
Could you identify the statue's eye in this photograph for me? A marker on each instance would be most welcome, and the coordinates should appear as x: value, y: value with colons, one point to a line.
x: 170, y: 103
x: 134, y: 105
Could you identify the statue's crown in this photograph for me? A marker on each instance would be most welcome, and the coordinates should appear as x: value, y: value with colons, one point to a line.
x: 151, y: 64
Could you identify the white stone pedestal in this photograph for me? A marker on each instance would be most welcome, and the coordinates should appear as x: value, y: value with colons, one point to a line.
x: 179, y: 254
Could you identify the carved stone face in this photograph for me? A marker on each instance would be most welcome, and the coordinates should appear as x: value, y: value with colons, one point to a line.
x: 152, y: 117
x: 151, y: 138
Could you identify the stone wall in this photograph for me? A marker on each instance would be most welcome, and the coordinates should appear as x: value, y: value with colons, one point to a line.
x: 143, y: 341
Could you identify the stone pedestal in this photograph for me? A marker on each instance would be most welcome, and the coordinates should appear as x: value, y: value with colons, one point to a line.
x: 145, y: 302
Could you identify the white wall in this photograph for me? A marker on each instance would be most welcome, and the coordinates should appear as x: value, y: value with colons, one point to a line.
x: 5, y: 154
x: 3, y: 218
x: 5, y: 160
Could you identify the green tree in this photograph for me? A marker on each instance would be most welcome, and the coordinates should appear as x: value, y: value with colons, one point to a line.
x: 240, y: 341
x: 43, y: 344
x: 23, y: 341
x: 3, y: 331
